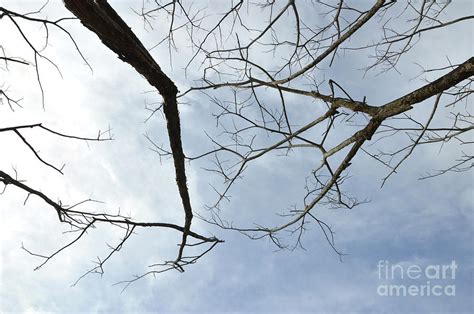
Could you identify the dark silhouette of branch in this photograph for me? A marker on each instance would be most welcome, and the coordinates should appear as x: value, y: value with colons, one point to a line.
x: 101, y: 18
x: 257, y: 78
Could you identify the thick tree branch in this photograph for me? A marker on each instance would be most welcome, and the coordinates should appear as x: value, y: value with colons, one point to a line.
x: 404, y: 103
x: 101, y: 18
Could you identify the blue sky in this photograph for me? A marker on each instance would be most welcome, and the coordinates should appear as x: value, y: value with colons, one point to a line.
x: 407, y: 222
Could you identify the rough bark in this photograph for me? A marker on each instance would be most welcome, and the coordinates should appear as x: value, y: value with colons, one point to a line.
x: 404, y: 103
x: 99, y: 17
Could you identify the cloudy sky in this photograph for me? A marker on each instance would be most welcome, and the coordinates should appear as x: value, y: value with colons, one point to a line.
x: 407, y: 222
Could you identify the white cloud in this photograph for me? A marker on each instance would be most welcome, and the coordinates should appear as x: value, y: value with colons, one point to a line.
x: 406, y: 221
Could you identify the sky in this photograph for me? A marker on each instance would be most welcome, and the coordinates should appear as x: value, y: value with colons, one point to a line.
x: 408, y: 222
